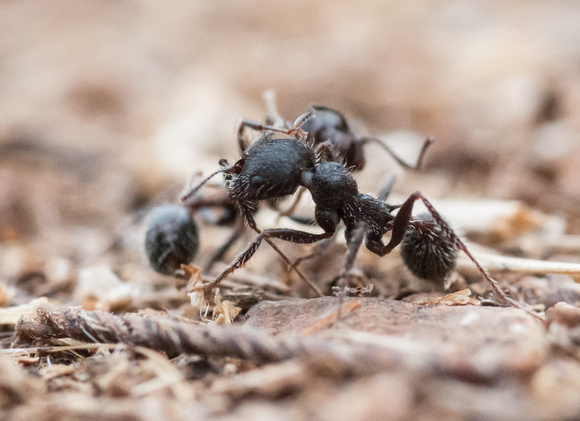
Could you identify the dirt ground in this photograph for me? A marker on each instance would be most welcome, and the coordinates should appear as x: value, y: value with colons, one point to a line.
x: 108, y: 108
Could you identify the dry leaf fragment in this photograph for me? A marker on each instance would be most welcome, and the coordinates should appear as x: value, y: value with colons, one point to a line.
x: 459, y: 298
x: 196, y: 296
x: 224, y: 312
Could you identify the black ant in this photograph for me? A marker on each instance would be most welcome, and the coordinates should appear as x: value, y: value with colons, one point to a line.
x: 323, y: 128
x: 172, y: 238
x: 273, y: 168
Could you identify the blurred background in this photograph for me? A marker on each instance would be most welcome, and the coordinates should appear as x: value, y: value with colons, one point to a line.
x: 107, y: 106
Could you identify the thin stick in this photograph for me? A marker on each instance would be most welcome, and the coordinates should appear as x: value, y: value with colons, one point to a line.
x: 331, y: 318
x: 527, y: 266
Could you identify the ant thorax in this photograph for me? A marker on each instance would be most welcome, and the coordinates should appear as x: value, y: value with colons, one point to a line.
x: 331, y: 185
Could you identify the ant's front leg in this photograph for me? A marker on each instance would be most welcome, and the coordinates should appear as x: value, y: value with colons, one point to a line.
x: 290, y: 235
x: 195, y: 203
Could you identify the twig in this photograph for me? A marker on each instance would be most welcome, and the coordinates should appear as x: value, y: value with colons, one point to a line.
x: 516, y: 264
x: 331, y: 318
x: 173, y: 337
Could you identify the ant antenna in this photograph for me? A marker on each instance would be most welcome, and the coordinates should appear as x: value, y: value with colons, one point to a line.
x: 402, y: 163
x: 189, y: 191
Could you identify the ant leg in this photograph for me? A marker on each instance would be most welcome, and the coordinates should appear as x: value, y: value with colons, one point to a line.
x: 252, y: 223
x: 218, y: 201
x: 223, y: 249
x: 387, y: 189
x: 295, y: 131
x: 402, y: 221
x: 353, y: 243
x: 397, y: 158
x: 292, y: 207
x: 290, y: 235
x: 243, y: 124
x: 302, y: 119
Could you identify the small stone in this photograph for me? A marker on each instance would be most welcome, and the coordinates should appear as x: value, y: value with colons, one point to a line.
x: 564, y: 314
x: 468, y: 341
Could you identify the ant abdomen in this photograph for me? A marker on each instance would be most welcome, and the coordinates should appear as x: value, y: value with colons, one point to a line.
x: 427, y: 250
x: 171, y: 238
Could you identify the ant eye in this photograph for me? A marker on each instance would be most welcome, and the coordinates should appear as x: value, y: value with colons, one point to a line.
x: 238, y: 166
x: 256, y: 181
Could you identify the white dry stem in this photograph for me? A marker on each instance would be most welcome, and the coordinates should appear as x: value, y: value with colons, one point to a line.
x: 516, y: 264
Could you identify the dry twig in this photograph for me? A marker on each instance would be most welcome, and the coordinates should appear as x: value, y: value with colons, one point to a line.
x: 176, y: 337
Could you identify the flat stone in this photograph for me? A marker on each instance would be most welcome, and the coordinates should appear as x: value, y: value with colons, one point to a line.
x: 470, y: 341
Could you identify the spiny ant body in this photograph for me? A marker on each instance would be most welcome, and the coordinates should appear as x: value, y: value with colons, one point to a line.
x: 171, y: 238
x: 254, y: 176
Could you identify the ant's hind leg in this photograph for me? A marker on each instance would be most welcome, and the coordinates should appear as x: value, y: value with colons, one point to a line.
x: 290, y: 235
x: 402, y: 222
x: 387, y: 188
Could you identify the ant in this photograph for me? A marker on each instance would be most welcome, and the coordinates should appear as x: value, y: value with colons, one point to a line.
x: 276, y: 167
x: 172, y: 237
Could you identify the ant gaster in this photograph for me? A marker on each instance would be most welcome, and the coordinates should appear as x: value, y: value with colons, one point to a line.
x: 171, y: 238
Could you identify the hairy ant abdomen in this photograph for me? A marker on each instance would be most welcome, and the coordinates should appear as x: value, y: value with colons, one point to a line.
x: 427, y: 250
x: 171, y: 238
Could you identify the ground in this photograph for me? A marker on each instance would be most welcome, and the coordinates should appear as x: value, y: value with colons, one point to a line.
x: 108, y: 109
